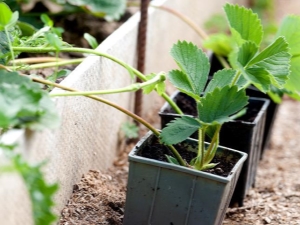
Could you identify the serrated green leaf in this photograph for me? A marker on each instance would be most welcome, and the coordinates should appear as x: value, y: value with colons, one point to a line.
x: 24, y: 104
x: 293, y: 84
x: 179, y: 129
x: 220, y: 44
x: 5, y: 15
x: 220, y: 79
x: 244, y: 22
x: 276, y: 60
x: 130, y: 130
x: 259, y: 77
x: 289, y: 28
x: 194, y: 65
x: 246, y: 52
x: 182, y: 83
x: 219, y: 105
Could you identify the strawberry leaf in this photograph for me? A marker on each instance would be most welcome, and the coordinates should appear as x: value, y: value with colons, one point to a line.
x: 244, y: 24
x: 219, y: 105
x: 182, y: 83
x: 24, y: 103
x: 220, y: 79
x: 179, y: 129
x: 276, y: 60
x: 194, y: 66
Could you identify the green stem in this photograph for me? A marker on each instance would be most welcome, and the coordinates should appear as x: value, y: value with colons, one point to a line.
x: 172, y: 103
x: 239, y: 114
x: 236, y: 77
x: 130, y: 69
x: 223, y: 62
x: 133, y: 87
x: 213, y: 145
x: 201, y: 148
x: 51, y: 64
x: 127, y: 112
x: 36, y: 60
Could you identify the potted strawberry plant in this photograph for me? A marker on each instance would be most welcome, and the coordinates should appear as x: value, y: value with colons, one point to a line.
x: 264, y: 69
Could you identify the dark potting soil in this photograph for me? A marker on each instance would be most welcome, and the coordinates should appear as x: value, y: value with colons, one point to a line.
x: 188, y: 106
x: 158, y: 151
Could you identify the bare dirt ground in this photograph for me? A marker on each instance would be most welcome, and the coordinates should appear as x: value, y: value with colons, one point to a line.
x: 99, y: 198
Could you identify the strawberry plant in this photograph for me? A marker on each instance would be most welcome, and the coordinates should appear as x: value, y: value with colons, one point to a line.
x: 270, y: 69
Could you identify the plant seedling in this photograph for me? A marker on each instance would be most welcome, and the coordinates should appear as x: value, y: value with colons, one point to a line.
x: 218, y: 103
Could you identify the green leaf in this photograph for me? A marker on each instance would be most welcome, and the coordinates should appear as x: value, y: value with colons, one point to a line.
x: 220, y: 44
x: 172, y: 160
x: 26, y: 28
x: 130, y: 130
x: 289, y: 28
x: 182, y: 83
x: 60, y: 74
x: 220, y: 79
x: 24, y: 104
x: 5, y: 15
x: 46, y: 20
x: 293, y: 84
x: 91, y: 40
x: 244, y: 23
x: 149, y: 88
x: 40, y: 192
x: 110, y: 9
x: 54, y: 41
x: 246, y: 52
x: 4, y: 48
x: 194, y: 66
x: 219, y: 105
x: 179, y: 129
x: 276, y: 60
x: 259, y: 77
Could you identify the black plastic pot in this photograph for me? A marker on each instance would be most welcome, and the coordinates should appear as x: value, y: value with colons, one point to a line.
x: 164, y: 193
x: 245, y: 136
x: 253, y: 92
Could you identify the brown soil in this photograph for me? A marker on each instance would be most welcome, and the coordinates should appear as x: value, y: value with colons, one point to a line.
x: 99, y: 197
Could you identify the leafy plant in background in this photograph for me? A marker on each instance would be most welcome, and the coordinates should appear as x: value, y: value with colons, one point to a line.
x: 108, y: 9
x: 25, y: 105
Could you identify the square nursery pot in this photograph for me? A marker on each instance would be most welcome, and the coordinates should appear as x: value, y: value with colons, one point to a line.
x: 253, y: 92
x: 162, y: 193
x: 243, y: 134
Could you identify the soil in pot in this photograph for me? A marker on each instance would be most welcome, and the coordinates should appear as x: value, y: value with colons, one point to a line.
x: 158, y: 151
